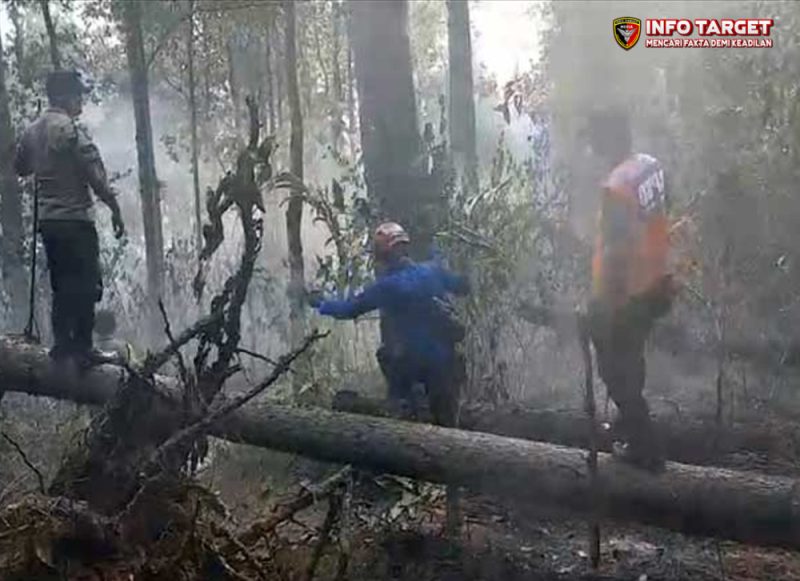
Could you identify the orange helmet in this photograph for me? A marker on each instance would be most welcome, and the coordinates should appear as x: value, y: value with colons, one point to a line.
x: 386, y: 238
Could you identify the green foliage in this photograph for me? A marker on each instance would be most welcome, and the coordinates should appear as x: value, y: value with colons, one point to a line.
x: 502, y: 237
x: 347, y: 216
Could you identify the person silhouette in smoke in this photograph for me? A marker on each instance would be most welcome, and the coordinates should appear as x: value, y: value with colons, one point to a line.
x: 631, y: 287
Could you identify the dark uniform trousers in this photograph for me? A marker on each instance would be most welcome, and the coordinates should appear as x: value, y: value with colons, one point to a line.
x: 442, y: 382
x: 73, y: 260
x: 619, y: 341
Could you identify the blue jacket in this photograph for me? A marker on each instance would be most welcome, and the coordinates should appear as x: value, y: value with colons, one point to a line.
x: 406, y: 296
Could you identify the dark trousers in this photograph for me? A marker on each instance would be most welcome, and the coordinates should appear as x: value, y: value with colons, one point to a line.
x: 619, y: 340
x: 73, y: 260
x: 442, y: 383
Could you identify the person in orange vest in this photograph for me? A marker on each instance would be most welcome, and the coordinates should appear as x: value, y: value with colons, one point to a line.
x: 631, y: 285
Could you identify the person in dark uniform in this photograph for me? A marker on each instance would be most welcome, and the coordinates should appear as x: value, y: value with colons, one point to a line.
x: 65, y: 163
x: 631, y: 285
x: 420, y: 334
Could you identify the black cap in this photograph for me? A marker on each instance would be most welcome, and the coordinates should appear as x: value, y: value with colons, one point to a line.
x: 65, y: 84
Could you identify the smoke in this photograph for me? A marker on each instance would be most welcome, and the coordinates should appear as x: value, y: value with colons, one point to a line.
x: 111, y: 124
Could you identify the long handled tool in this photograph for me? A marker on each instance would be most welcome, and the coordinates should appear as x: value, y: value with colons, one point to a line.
x: 30, y: 334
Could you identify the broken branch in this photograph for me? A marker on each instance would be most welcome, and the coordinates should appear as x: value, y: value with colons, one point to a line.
x: 204, y: 325
x: 171, y: 339
x: 283, y: 511
x: 202, y: 425
x: 25, y: 460
x: 331, y: 518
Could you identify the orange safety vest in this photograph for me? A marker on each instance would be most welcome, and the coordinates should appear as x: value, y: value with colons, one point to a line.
x: 635, y: 191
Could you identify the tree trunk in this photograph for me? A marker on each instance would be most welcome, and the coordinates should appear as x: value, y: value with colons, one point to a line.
x: 269, y: 69
x: 352, y: 124
x: 55, y: 56
x: 233, y: 85
x: 390, y: 138
x: 338, y: 94
x: 734, y: 505
x: 316, y: 23
x: 19, y: 44
x: 206, y: 33
x: 11, y: 247
x: 302, y: 64
x: 462, y: 101
x: 148, y: 181
x: 280, y: 72
x: 294, y: 212
x: 198, y: 219
x: 690, y: 440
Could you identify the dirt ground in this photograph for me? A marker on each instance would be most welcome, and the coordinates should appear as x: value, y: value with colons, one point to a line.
x: 505, y: 543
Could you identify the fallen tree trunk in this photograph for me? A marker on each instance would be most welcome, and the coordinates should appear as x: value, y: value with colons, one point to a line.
x: 686, y: 440
x: 734, y: 505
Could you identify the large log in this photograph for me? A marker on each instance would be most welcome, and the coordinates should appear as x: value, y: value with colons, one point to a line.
x: 724, y: 503
x: 689, y: 440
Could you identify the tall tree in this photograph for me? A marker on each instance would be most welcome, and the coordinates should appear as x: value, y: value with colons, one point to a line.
x: 13, y: 270
x: 352, y: 128
x: 55, y: 56
x: 338, y: 91
x: 193, y: 123
x: 294, y: 212
x: 279, y: 75
x: 269, y: 68
x: 17, y: 19
x: 462, y: 101
x: 148, y: 180
x: 205, y: 34
x: 233, y: 85
x: 388, y: 115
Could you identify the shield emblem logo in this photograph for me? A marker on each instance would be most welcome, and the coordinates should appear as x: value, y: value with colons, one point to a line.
x: 627, y: 31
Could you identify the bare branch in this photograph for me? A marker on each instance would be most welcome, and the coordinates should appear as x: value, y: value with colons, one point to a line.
x: 168, y: 333
x: 205, y: 423
x: 286, y: 509
x: 255, y: 355
x: 25, y: 460
x: 331, y: 519
x: 244, y: 551
x: 204, y: 325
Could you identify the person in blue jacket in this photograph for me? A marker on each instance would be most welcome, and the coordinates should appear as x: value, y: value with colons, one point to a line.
x: 419, y: 332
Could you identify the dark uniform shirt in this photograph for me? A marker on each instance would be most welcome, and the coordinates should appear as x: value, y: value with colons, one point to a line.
x: 407, y: 298
x: 65, y: 161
